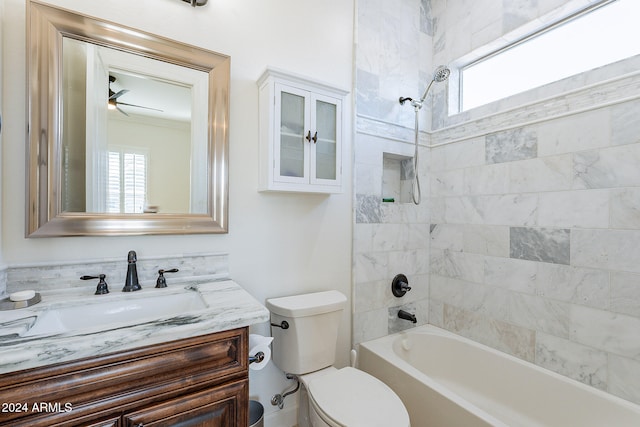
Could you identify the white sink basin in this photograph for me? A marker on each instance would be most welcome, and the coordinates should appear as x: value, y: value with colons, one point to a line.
x: 128, y: 310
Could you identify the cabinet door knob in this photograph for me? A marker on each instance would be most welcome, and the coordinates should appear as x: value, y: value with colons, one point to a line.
x: 315, y: 137
x: 308, y: 137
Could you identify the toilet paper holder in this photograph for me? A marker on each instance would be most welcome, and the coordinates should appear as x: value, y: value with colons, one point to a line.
x: 258, y: 357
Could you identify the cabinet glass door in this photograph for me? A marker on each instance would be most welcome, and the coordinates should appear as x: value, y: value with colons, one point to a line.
x: 292, y: 161
x: 326, y: 159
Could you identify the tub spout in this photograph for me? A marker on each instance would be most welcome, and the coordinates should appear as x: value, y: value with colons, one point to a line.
x: 407, y: 316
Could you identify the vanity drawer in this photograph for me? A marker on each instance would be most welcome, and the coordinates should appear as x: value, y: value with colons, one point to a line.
x: 78, y: 392
x: 217, y: 408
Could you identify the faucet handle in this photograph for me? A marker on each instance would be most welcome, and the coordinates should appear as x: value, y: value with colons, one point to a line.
x: 400, y: 285
x: 102, y: 287
x: 162, y: 282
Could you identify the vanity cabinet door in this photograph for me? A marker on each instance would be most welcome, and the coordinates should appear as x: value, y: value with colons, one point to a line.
x: 174, y: 383
x: 293, y: 134
x: 211, y: 408
x: 326, y: 159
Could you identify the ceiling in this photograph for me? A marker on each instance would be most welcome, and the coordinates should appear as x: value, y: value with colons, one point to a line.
x: 172, y: 99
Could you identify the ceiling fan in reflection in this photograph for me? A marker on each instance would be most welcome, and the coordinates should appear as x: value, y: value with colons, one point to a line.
x: 114, y: 104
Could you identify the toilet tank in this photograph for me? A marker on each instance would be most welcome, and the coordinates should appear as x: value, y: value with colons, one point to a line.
x: 309, y: 343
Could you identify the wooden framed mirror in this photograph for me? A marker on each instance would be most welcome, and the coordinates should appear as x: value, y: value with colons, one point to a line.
x: 128, y: 131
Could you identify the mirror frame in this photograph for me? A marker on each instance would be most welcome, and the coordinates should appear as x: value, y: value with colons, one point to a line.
x: 46, y: 27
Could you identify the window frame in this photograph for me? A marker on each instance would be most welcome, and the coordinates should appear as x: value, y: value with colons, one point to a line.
x: 456, y: 87
x: 122, y: 151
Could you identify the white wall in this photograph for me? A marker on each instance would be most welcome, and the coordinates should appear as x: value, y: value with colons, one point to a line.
x: 167, y: 144
x: 279, y: 244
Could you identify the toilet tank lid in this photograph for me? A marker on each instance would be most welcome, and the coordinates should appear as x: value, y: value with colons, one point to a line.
x: 307, y: 304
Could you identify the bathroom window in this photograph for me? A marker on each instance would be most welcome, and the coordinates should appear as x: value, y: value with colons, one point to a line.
x: 127, y: 181
x: 600, y: 35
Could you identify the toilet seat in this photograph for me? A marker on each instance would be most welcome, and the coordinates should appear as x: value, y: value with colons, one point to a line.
x: 350, y: 397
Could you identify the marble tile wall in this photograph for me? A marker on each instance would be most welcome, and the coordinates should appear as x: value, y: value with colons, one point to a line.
x: 530, y: 208
x: 535, y: 231
x: 392, y: 59
x: 535, y: 248
x: 389, y: 239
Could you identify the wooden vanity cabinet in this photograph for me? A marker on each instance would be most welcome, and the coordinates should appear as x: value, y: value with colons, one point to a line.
x: 199, y: 381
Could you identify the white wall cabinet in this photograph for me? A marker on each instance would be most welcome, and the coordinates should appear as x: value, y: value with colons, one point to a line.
x: 301, y: 141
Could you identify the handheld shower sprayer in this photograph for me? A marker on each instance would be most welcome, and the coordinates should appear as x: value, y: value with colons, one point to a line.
x: 439, y: 75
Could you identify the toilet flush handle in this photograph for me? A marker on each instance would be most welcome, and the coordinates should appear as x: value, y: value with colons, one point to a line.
x: 284, y: 325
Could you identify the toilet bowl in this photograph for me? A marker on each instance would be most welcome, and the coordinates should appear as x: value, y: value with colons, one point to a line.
x: 305, y: 331
x: 350, y: 397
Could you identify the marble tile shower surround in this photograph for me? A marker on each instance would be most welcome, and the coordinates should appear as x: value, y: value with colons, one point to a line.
x: 528, y: 250
x: 389, y: 238
x: 67, y: 274
x: 532, y: 206
x: 535, y: 240
x: 393, y: 59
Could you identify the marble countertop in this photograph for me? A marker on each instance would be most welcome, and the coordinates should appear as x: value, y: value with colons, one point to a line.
x: 228, y: 306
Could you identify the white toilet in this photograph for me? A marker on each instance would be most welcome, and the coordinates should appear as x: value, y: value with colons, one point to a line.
x: 305, y: 344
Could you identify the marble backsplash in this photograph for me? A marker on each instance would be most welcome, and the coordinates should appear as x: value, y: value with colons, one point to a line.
x: 62, y: 275
x: 3, y: 281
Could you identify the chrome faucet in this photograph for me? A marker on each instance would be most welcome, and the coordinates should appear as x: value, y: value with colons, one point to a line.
x: 131, y: 281
x: 407, y: 316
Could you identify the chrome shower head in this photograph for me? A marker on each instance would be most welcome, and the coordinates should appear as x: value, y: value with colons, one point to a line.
x: 441, y: 74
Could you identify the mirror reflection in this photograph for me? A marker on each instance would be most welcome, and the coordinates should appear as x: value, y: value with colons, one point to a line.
x: 127, y: 141
x: 128, y: 131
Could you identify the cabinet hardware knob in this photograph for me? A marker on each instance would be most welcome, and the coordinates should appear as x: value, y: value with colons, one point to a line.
x: 315, y: 137
x: 308, y: 137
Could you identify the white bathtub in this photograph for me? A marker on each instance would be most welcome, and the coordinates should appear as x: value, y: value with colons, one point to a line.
x: 448, y: 381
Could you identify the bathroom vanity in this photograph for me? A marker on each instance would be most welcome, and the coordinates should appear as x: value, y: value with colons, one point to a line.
x: 203, y: 378
x: 183, y: 369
